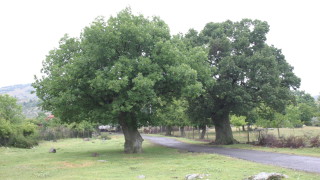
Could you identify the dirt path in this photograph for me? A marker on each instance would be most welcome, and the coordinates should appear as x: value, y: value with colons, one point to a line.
x: 303, y: 163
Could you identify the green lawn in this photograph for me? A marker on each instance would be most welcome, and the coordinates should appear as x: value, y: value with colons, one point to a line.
x: 299, y: 151
x: 74, y: 160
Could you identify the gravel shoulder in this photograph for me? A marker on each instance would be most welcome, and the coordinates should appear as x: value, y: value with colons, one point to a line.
x: 303, y: 163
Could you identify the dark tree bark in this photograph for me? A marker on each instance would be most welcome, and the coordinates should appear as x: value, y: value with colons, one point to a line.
x: 182, y: 132
x: 168, y: 130
x: 223, y: 129
x: 133, y: 139
x: 203, y: 131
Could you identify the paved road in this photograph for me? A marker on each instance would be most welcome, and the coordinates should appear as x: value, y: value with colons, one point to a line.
x: 303, y: 163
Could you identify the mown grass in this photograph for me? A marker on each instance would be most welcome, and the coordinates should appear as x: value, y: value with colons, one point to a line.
x: 315, y: 152
x: 74, y: 160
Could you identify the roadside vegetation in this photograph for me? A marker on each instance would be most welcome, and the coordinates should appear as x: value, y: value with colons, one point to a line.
x: 307, y: 134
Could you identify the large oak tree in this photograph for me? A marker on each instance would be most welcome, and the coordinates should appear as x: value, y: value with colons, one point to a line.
x: 119, y: 71
x: 248, y: 73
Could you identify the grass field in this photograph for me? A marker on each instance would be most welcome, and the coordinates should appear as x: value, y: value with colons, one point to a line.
x: 74, y: 160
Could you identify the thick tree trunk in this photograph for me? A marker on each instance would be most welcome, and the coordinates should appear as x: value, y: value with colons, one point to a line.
x: 223, y: 129
x: 133, y: 139
x: 203, y: 131
x: 168, y: 130
x: 182, y: 132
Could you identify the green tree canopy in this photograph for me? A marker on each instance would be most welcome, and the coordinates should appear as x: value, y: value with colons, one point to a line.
x: 306, y: 105
x: 119, y: 71
x: 10, y: 110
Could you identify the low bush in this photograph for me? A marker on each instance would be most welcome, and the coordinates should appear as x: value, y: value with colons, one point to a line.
x: 21, y: 141
x: 293, y: 142
x: 6, y: 130
x: 289, y: 142
x: 18, y: 135
x: 315, y: 141
x: 268, y: 140
x: 28, y: 129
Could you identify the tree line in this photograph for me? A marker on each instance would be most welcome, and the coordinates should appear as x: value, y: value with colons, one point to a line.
x: 129, y: 70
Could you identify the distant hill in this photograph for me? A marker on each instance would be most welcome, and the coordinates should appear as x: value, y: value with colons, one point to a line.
x: 23, y: 92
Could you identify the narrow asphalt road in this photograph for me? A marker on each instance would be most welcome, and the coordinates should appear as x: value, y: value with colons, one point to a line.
x: 303, y: 163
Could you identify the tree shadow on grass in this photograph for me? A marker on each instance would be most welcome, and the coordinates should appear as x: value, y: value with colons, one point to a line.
x: 149, y: 151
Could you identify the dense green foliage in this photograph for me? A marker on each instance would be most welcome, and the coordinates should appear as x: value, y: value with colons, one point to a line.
x: 248, y: 72
x: 306, y: 106
x: 238, y: 121
x: 174, y: 114
x: 126, y: 64
x: 14, y: 129
x: 119, y: 71
x: 10, y: 110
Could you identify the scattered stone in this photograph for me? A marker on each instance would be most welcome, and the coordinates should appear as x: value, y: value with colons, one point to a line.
x: 95, y: 154
x: 267, y: 176
x: 102, y: 160
x: 141, y: 177
x: 192, y: 176
x: 52, y: 150
x: 86, y: 139
x: 196, y: 176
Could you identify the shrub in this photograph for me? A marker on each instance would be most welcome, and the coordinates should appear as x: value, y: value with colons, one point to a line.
x: 6, y: 131
x: 294, y: 142
x: 28, y: 129
x: 268, y: 140
x: 290, y: 142
x: 21, y: 141
x: 18, y: 135
x: 315, y: 141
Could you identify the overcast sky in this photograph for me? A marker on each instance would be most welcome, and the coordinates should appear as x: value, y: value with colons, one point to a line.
x: 29, y: 29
